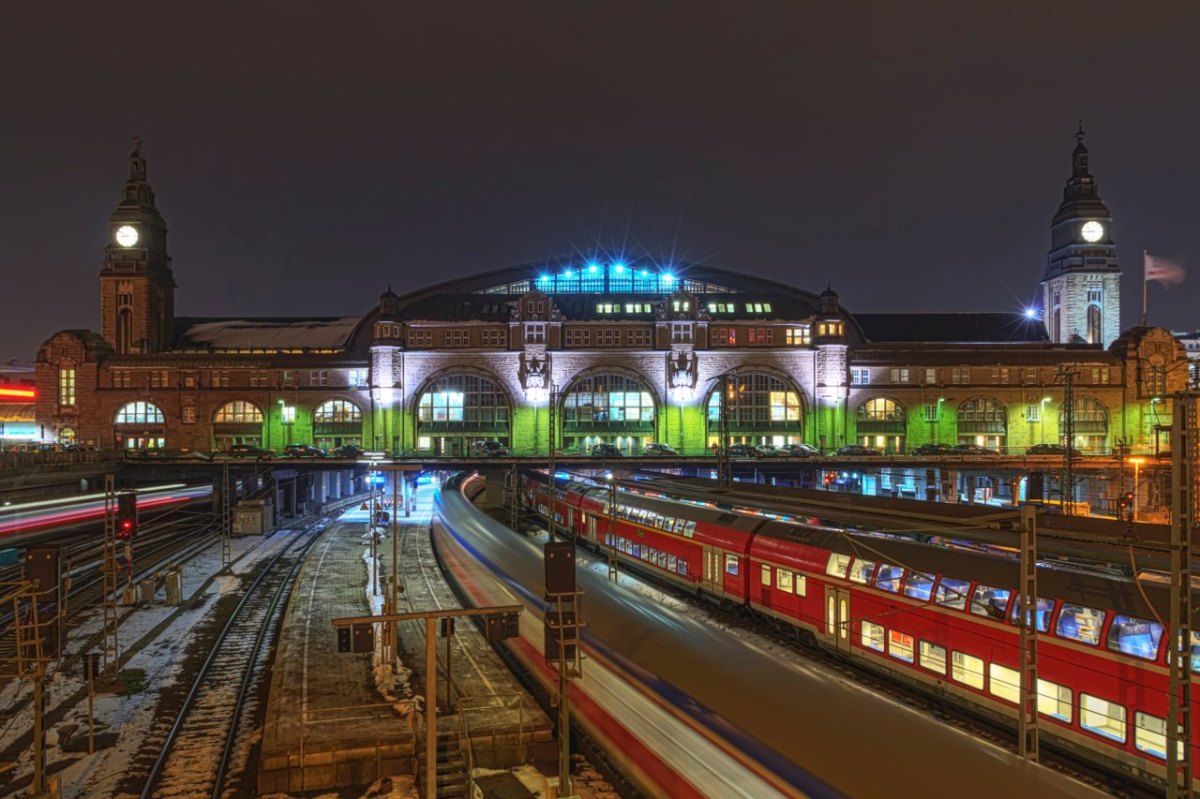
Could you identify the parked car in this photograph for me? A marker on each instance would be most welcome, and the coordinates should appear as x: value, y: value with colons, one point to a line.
x: 606, y: 451
x: 248, y: 451
x: 744, y: 451
x: 302, y: 451
x: 1051, y: 449
x: 801, y: 451
x: 488, y: 449
x: 656, y: 450
x: 349, y: 451
x: 971, y: 449
x: 770, y: 451
x: 933, y: 449
x: 857, y: 450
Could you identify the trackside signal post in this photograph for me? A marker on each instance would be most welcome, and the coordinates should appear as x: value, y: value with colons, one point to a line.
x: 357, y: 634
x: 561, y: 644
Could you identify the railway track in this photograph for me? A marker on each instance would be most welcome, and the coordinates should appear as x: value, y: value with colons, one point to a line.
x: 200, y: 755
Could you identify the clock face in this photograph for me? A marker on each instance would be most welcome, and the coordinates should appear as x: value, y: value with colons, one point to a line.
x: 127, y: 235
x: 1092, y: 231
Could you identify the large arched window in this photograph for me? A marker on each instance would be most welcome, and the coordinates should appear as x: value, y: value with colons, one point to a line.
x: 336, y: 422
x: 458, y: 409
x: 337, y: 411
x: 983, y: 421
x: 880, y: 422
x: 238, y: 412
x: 763, y: 409
x: 139, y: 425
x: 609, y: 408
x: 139, y: 412
x: 237, y: 422
x: 1091, y: 426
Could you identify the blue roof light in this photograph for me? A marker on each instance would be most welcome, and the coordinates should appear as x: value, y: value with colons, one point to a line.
x: 619, y: 268
x: 1031, y: 313
x: 645, y: 273
x: 568, y: 273
x: 593, y: 268
x: 543, y: 278
x: 667, y: 277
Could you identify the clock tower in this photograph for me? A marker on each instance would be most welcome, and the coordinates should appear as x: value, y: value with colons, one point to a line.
x: 137, y: 289
x: 1081, y: 288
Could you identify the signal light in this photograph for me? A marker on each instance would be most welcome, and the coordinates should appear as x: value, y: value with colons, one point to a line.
x: 126, y: 516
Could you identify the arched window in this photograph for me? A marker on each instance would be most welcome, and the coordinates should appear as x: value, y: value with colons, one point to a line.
x: 1091, y: 426
x: 67, y: 435
x: 1093, y: 324
x: 880, y: 422
x: 337, y: 411
x: 763, y: 409
x: 457, y: 410
x: 608, y: 408
x: 983, y: 421
x: 238, y: 412
x: 881, y: 409
x: 139, y: 413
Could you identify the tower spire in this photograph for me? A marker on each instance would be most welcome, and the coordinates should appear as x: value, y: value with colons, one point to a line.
x: 137, y: 161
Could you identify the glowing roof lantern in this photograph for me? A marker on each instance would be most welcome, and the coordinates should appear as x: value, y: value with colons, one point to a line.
x: 568, y: 273
x: 645, y: 273
x: 618, y: 268
x: 543, y: 278
x: 667, y: 277
x: 592, y: 268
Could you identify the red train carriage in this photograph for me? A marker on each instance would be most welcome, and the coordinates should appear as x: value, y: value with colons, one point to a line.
x: 942, y: 619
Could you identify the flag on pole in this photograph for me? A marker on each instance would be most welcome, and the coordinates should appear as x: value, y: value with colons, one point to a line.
x: 1165, y: 271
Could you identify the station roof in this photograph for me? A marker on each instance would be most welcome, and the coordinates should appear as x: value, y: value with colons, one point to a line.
x: 313, y: 333
x: 967, y: 328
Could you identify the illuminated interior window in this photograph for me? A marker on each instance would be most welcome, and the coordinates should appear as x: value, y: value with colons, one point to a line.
x: 139, y: 413
x: 337, y: 411
x: 238, y: 412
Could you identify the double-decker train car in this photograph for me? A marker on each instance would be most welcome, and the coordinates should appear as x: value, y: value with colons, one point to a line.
x: 939, y: 618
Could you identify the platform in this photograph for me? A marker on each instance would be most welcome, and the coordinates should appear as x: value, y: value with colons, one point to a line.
x: 326, y: 723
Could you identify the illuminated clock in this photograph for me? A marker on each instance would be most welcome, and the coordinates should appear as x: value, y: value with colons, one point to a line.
x: 127, y: 235
x: 1092, y: 231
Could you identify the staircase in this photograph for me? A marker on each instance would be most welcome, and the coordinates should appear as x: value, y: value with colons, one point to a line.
x: 451, y: 769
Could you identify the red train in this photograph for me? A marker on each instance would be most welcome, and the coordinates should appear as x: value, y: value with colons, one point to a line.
x: 940, y: 618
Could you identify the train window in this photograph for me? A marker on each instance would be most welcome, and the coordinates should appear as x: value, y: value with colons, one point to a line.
x: 1054, y: 700
x: 683, y: 567
x: 967, y: 669
x: 1005, y: 682
x: 783, y: 580
x: 1195, y: 651
x: 801, y: 583
x: 691, y: 529
x: 952, y: 593
x: 988, y: 601
x: 731, y: 564
x: 766, y: 575
x: 860, y: 570
x: 1045, y: 609
x: 837, y: 565
x: 637, y: 550
x: 672, y: 562
x: 932, y: 657
x: 872, y: 636
x: 1102, y: 717
x: 919, y: 586
x: 900, y: 646
x: 1133, y: 636
x: 888, y: 577
x: 1150, y: 735
x: 1080, y: 624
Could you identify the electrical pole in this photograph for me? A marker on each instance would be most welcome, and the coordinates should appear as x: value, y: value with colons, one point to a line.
x: 1185, y: 451
x: 110, y: 649
x: 1027, y: 716
x: 611, y: 549
x: 1066, y: 429
x: 724, y: 459
x: 226, y: 511
x: 552, y: 422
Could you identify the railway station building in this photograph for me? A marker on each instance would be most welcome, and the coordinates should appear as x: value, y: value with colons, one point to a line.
x: 627, y: 351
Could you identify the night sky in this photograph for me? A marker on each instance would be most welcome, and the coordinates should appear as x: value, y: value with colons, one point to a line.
x: 306, y: 155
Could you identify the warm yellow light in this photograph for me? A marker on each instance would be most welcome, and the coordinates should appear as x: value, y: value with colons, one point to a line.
x: 1138, y: 461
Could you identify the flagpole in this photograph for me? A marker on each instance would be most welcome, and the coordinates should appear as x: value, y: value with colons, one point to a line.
x: 1145, y: 260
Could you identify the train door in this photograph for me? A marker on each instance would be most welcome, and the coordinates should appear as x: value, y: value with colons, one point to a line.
x: 837, y: 618
x: 591, y: 528
x: 714, y: 572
